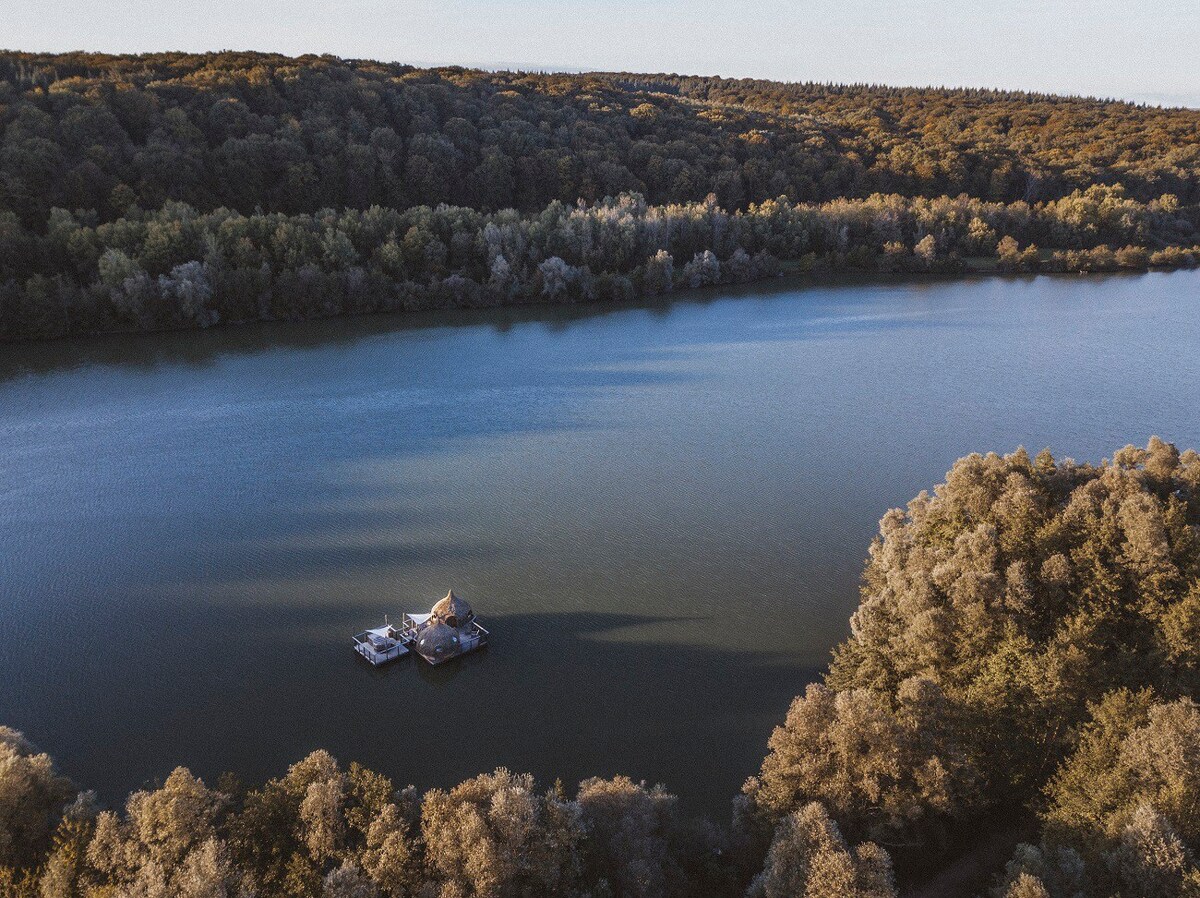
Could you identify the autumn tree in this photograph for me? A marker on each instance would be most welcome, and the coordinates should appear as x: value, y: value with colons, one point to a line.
x: 495, y: 836
x: 630, y: 829
x: 809, y: 858
x: 32, y: 796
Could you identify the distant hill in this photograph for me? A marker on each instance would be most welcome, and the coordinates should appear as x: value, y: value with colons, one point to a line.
x: 252, y: 131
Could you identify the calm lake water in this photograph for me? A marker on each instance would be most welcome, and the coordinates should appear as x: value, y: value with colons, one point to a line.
x: 661, y: 513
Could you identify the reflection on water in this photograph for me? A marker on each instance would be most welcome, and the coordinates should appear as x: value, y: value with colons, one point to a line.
x: 661, y: 514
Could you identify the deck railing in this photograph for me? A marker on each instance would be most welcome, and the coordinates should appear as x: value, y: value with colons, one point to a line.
x: 477, y: 635
x: 369, y: 651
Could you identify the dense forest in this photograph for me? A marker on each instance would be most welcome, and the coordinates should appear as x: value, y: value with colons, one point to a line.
x: 175, y: 190
x: 256, y: 131
x: 1023, y: 662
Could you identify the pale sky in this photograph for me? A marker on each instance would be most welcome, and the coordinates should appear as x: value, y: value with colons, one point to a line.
x: 1143, y: 50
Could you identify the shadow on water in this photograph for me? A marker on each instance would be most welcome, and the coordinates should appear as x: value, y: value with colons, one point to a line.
x: 309, y: 561
x: 648, y: 708
x: 445, y: 673
x: 199, y: 349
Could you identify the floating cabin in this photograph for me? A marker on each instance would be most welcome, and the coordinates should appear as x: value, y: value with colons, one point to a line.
x: 449, y: 629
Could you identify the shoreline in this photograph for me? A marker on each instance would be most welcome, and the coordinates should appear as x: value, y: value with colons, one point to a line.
x: 974, y: 269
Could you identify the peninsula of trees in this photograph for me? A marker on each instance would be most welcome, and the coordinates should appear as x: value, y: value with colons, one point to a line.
x: 173, y: 190
x: 1024, y: 662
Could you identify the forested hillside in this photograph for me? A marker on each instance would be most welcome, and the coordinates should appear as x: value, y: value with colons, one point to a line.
x: 1024, y: 662
x: 248, y: 131
x: 125, y: 153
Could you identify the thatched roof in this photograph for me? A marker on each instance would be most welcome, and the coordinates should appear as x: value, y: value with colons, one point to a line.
x: 452, y: 610
x: 437, y: 642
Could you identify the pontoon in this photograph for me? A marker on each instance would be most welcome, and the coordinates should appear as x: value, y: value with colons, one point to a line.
x: 381, y: 644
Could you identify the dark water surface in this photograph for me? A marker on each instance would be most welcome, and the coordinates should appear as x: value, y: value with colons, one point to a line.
x: 661, y: 514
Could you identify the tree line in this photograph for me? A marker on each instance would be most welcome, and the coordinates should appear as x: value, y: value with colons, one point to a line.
x: 1024, y: 658
x: 179, y: 190
x: 177, y: 266
x: 249, y: 131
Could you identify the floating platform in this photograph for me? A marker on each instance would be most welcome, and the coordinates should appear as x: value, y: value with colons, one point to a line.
x: 381, y: 644
x: 449, y: 630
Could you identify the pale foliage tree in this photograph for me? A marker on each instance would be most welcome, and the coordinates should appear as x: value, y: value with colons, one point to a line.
x: 808, y: 858
x: 32, y: 796
x: 1151, y: 860
x: 115, y: 267
x: 321, y: 818
x: 338, y: 250
x: 558, y: 278
x: 1121, y: 814
x: 926, y: 250
x: 1042, y: 872
x: 878, y: 764
x: 168, y: 844
x: 703, y: 270
x: 1133, y: 755
x: 501, y: 276
x: 1026, y: 589
x: 1026, y: 885
x: 659, y: 273
x: 390, y: 854
x: 169, y: 822
x: 59, y: 877
x: 207, y: 872
x: 981, y: 237
x: 628, y: 830
x: 188, y: 288
x: 348, y: 881
x: 493, y: 836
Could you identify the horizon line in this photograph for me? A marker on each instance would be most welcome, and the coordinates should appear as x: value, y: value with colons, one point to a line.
x: 1157, y: 99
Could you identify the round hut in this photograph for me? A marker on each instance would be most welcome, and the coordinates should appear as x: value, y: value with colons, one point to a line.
x: 438, y: 641
x: 449, y: 630
x: 452, y: 611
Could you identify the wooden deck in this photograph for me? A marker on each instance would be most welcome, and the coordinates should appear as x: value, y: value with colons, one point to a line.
x: 381, y: 645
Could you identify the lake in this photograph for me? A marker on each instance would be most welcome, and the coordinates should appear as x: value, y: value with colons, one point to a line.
x: 661, y: 513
